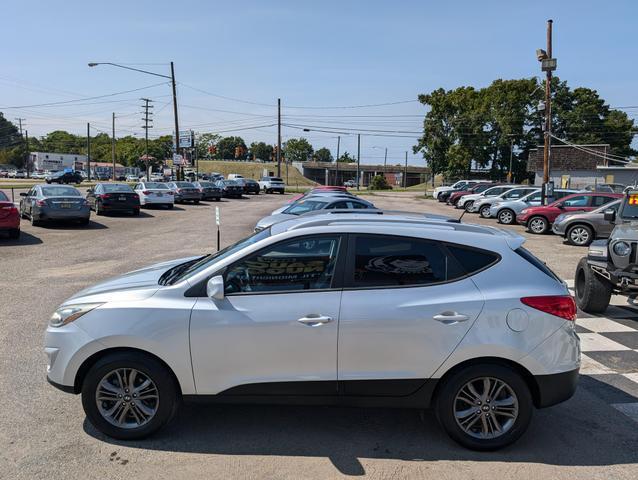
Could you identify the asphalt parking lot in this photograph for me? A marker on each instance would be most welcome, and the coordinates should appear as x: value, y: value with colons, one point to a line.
x: 44, y: 434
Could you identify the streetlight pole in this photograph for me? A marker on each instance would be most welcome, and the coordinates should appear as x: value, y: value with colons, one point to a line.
x: 358, y: 159
x: 279, y: 137
x: 337, y: 160
x: 88, y: 151
x: 173, y: 85
x: 113, y: 146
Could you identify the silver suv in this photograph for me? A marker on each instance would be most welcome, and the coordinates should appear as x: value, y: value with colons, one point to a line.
x: 423, y: 313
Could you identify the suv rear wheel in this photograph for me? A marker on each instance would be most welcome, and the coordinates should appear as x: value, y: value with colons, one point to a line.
x: 129, y: 395
x: 506, y: 216
x: 537, y: 225
x: 468, y: 205
x: 484, y: 407
x: 485, y: 211
x: 592, y: 292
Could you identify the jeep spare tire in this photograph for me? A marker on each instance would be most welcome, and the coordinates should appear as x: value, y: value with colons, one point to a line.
x: 592, y: 291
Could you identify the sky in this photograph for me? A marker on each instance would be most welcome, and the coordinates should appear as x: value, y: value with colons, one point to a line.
x: 234, y: 59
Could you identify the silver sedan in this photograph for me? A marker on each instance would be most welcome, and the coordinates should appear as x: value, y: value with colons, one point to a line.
x: 54, y: 202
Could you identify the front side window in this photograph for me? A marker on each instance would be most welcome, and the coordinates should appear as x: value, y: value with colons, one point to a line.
x: 305, y: 206
x: 534, y: 197
x: 384, y: 261
x: 306, y: 263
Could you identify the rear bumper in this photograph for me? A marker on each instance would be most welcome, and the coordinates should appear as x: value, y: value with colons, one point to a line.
x: 163, y: 200
x: 70, y: 214
x: 556, y: 388
x: 10, y: 223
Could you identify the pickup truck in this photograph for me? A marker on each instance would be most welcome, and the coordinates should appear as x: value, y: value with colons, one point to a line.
x: 272, y: 184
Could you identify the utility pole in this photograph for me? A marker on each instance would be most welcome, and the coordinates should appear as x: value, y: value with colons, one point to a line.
x: 88, y: 151
x: 509, y: 172
x: 19, y: 120
x: 26, y: 142
x: 548, y: 65
x: 405, y: 172
x: 358, y: 159
x: 175, y: 115
x: 147, y: 105
x: 113, y: 146
x: 337, y: 160
x: 279, y: 137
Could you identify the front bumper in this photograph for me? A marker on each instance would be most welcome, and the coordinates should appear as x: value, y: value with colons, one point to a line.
x: 558, y: 229
x: 522, y: 219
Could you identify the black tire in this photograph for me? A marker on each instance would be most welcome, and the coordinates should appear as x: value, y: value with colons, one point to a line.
x: 282, y: 192
x: 84, y: 221
x: 445, y: 405
x: 136, y: 212
x: 167, y: 391
x: 169, y: 206
x: 268, y: 191
x: 34, y: 222
x: 218, y: 199
x: 14, y: 233
x: 484, y: 211
x: 468, y: 205
x: 506, y: 216
x: 98, y: 210
x: 538, y: 225
x: 579, y: 235
x: 592, y: 292
x: 196, y: 202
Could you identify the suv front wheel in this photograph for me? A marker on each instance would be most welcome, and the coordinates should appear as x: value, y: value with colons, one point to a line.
x: 484, y: 407
x: 129, y: 395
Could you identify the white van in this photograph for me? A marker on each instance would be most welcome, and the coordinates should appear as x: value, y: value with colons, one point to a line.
x: 235, y: 176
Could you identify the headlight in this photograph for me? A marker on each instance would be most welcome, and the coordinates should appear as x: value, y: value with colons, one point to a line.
x: 559, y: 218
x: 622, y: 249
x: 70, y: 313
x: 524, y: 210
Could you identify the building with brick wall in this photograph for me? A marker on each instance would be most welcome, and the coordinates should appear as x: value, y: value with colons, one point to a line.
x: 574, y: 168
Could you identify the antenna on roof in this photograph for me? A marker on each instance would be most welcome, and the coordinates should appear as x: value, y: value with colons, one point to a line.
x: 460, y: 218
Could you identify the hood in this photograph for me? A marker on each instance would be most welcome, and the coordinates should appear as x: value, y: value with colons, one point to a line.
x: 472, y: 196
x: 272, y: 219
x: 625, y: 231
x: 279, y: 210
x: 135, y: 285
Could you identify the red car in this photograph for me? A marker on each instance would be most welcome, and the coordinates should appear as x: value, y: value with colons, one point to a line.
x: 539, y: 219
x: 9, y: 217
x: 478, y: 188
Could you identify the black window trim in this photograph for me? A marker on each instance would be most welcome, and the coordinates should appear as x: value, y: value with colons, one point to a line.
x: 199, y: 289
x: 348, y: 274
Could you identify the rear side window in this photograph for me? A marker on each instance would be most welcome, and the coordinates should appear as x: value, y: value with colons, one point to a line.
x: 471, y: 259
x: 527, y: 255
x: 600, y: 201
x: 384, y: 261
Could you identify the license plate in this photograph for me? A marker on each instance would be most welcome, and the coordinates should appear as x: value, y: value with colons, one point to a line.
x: 159, y: 194
x: 66, y: 205
x: 122, y: 199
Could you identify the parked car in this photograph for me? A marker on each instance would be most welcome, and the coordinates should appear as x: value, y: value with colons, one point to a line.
x: 539, y: 219
x: 456, y: 195
x: 581, y: 229
x: 251, y: 186
x: 606, y: 187
x: 317, y: 192
x: 272, y: 185
x: 311, y: 204
x: 54, y: 202
x: 505, y: 212
x: 350, y: 184
x: 421, y: 316
x: 63, y: 177
x: 483, y: 205
x: 466, y: 202
x: 20, y: 174
x: 113, y: 197
x: 611, y: 265
x: 208, y: 190
x: 4, y: 173
x: 444, y: 196
x: 230, y: 188
x: 185, y: 192
x: 154, y: 193
x: 38, y: 175
x: 454, y: 186
x: 156, y: 177
x: 102, y: 176
x: 9, y: 217
x: 132, y: 178
x: 235, y: 176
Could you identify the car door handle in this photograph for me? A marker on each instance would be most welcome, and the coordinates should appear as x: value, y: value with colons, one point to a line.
x: 314, y: 320
x: 450, y: 318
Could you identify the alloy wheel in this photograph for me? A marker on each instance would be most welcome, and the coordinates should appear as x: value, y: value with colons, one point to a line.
x: 506, y: 217
x: 537, y: 225
x: 127, y: 398
x: 485, y: 211
x: 486, y: 408
x: 579, y: 235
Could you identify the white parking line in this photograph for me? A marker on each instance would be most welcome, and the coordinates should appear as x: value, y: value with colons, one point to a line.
x: 602, y: 325
x: 594, y: 342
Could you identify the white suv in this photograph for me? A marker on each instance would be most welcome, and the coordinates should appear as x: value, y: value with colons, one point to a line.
x: 422, y: 312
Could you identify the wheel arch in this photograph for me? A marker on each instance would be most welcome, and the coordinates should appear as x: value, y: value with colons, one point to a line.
x: 583, y: 223
x: 525, y: 374
x: 80, y: 375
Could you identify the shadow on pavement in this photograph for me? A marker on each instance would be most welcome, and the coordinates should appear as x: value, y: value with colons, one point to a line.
x: 584, y: 431
x: 70, y: 225
x: 25, y: 239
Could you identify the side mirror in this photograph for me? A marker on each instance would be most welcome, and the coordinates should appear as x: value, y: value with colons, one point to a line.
x: 215, y: 288
x: 609, y: 215
x: 23, y: 194
x: 90, y: 190
x: 560, y: 205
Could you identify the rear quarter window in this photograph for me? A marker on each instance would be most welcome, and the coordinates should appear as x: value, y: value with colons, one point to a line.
x: 473, y: 260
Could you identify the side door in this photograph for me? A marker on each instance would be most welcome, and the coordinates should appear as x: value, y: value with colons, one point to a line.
x: 275, y: 331
x: 534, y: 200
x: 406, y: 305
x: 578, y: 203
x: 29, y: 200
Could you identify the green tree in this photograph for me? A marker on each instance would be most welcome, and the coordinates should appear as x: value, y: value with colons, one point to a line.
x: 379, y: 182
x: 346, y: 158
x: 297, y: 150
x: 11, y: 144
x: 226, y: 147
x: 323, y: 155
x: 261, y: 151
x: 203, y: 141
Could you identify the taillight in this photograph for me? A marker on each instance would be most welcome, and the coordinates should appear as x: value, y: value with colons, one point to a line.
x: 170, y: 192
x: 179, y: 190
x: 11, y: 208
x: 135, y: 195
x: 105, y: 195
x: 562, y: 306
x: 146, y: 192
x: 40, y: 203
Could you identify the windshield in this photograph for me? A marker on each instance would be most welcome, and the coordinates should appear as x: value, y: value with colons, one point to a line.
x: 188, y: 269
x: 229, y: 182
x: 3, y: 197
x: 117, y: 188
x: 630, y: 206
x: 156, y: 185
x: 206, y: 184
x: 304, y: 206
x: 184, y: 185
x: 50, y: 191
